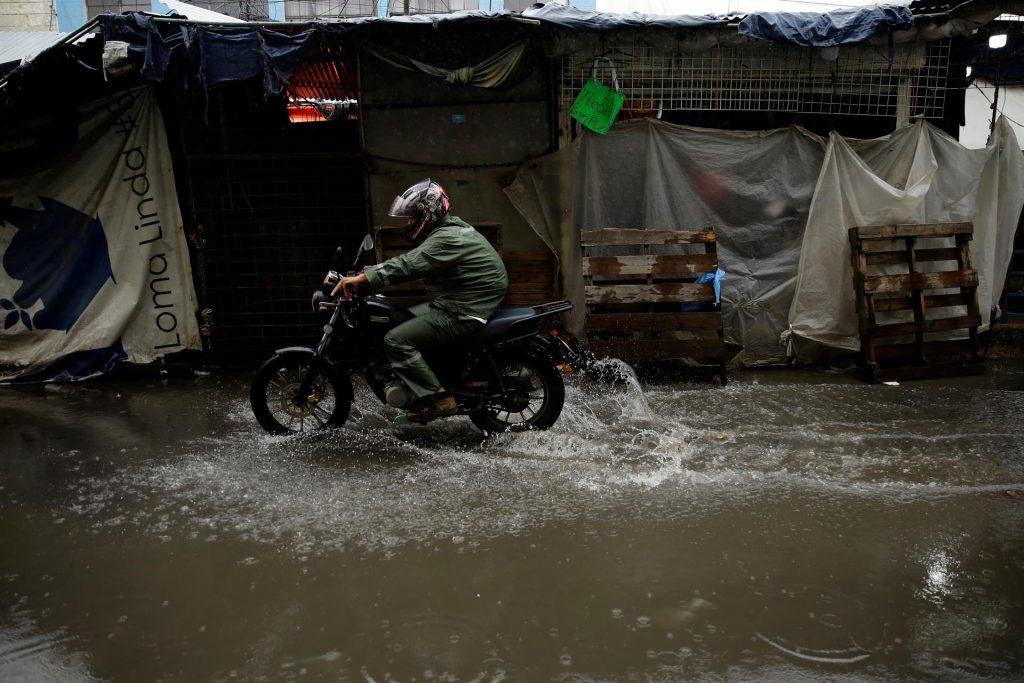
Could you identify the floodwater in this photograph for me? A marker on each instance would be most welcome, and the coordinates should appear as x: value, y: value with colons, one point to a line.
x: 791, y: 526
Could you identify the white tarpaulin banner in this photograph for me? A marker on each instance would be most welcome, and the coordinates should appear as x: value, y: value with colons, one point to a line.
x: 781, y: 201
x: 95, y: 262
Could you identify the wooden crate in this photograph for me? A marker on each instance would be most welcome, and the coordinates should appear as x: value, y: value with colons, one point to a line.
x: 531, y: 277
x: 638, y: 284
x: 922, y: 320
x: 531, y: 274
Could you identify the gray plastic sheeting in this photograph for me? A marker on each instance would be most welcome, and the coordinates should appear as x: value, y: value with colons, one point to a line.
x: 918, y: 174
x: 781, y: 202
x: 754, y: 188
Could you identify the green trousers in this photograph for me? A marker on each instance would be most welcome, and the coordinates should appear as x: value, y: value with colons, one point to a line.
x: 430, y: 331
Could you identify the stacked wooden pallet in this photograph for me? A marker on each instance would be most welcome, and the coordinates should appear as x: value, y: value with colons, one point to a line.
x: 643, y: 299
x: 916, y: 300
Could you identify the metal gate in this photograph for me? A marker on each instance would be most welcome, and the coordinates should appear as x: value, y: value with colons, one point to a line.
x: 269, y: 202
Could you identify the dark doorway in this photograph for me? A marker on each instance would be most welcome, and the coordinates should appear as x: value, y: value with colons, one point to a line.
x: 266, y: 201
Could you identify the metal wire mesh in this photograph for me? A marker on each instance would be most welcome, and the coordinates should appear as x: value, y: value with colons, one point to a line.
x: 398, y: 7
x: 269, y: 202
x: 270, y: 227
x: 300, y: 10
x: 863, y: 80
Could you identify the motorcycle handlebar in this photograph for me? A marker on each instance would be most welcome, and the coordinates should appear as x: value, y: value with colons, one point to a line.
x: 337, y: 301
x: 323, y: 302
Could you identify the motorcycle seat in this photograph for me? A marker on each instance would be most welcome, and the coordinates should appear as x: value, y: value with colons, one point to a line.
x: 514, y: 323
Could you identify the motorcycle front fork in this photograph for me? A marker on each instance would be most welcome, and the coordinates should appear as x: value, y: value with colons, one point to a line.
x: 304, y: 395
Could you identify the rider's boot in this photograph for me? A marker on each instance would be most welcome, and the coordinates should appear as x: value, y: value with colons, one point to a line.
x: 441, y: 404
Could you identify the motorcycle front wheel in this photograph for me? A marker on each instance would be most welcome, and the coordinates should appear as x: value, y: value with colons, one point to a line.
x: 534, y: 397
x: 279, y: 410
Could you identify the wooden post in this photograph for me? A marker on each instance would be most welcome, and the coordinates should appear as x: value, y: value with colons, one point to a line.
x: 963, y: 251
x: 865, y: 302
x: 918, y: 299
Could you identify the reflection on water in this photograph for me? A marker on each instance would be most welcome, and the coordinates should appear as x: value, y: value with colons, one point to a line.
x: 787, y: 526
x: 26, y: 654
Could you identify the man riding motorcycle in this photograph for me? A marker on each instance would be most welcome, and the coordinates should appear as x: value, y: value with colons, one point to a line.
x: 466, y: 283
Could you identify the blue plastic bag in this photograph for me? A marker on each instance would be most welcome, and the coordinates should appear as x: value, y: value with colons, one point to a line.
x: 715, y: 279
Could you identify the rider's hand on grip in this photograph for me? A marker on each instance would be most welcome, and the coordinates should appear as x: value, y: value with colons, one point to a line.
x: 349, y: 285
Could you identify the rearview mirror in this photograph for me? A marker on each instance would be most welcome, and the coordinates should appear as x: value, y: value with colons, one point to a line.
x: 338, y: 259
x: 365, y: 246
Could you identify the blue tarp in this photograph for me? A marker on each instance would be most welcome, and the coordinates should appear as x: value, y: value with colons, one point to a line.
x: 809, y: 29
x: 839, y: 27
x: 75, y: 366
x: 225, y: 54
x: 240, y: 56
x: 231, y: 54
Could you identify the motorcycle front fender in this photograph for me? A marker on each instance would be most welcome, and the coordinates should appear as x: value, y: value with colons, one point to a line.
x: 301, y: 350
x: 323, y: 361
x: 321, y: 364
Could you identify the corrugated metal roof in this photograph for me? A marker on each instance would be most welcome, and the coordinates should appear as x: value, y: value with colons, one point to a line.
x: 196, y: 13
x: 18, y: 45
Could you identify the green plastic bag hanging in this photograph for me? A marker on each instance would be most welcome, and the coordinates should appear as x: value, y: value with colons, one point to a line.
x: 597, y: 105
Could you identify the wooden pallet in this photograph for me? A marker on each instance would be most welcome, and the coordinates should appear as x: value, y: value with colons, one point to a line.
x: 637, y: 285
x: 920, y: 321
x: 531, y: 273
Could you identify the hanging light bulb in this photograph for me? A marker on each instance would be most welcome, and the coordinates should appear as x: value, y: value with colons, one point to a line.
x: 968, y: 72
x: 997, y: 41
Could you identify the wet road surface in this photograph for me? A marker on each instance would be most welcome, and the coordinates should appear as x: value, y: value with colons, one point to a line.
x: 791, y: 526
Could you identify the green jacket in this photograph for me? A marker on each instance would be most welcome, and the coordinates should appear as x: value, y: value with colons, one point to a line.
x: 464, y: 275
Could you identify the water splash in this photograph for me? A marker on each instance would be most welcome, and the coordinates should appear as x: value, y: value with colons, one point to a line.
x: 377, y: 485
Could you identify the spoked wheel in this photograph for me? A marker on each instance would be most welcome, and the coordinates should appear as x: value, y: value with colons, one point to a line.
x: 535, y: 395
x: 279, y: 409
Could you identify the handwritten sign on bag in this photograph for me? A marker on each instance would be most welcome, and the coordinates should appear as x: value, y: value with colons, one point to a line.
x: 597, y: 106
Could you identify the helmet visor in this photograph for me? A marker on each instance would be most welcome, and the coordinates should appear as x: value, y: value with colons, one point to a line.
x: 403, y: 206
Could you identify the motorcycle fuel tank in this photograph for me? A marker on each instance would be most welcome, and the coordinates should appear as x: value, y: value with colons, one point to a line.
x: 381, y: 315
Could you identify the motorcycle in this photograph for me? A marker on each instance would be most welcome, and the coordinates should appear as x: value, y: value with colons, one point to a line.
x: 505, y: 377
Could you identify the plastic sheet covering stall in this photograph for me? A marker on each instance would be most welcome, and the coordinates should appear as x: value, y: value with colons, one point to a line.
x: 759, y: 191
x: 918, y: 174
x: 95, y: 263
x: 754, y: 188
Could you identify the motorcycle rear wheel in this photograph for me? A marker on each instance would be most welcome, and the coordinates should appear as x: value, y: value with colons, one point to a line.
x: 536, y: 394
x: 274, y: 389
